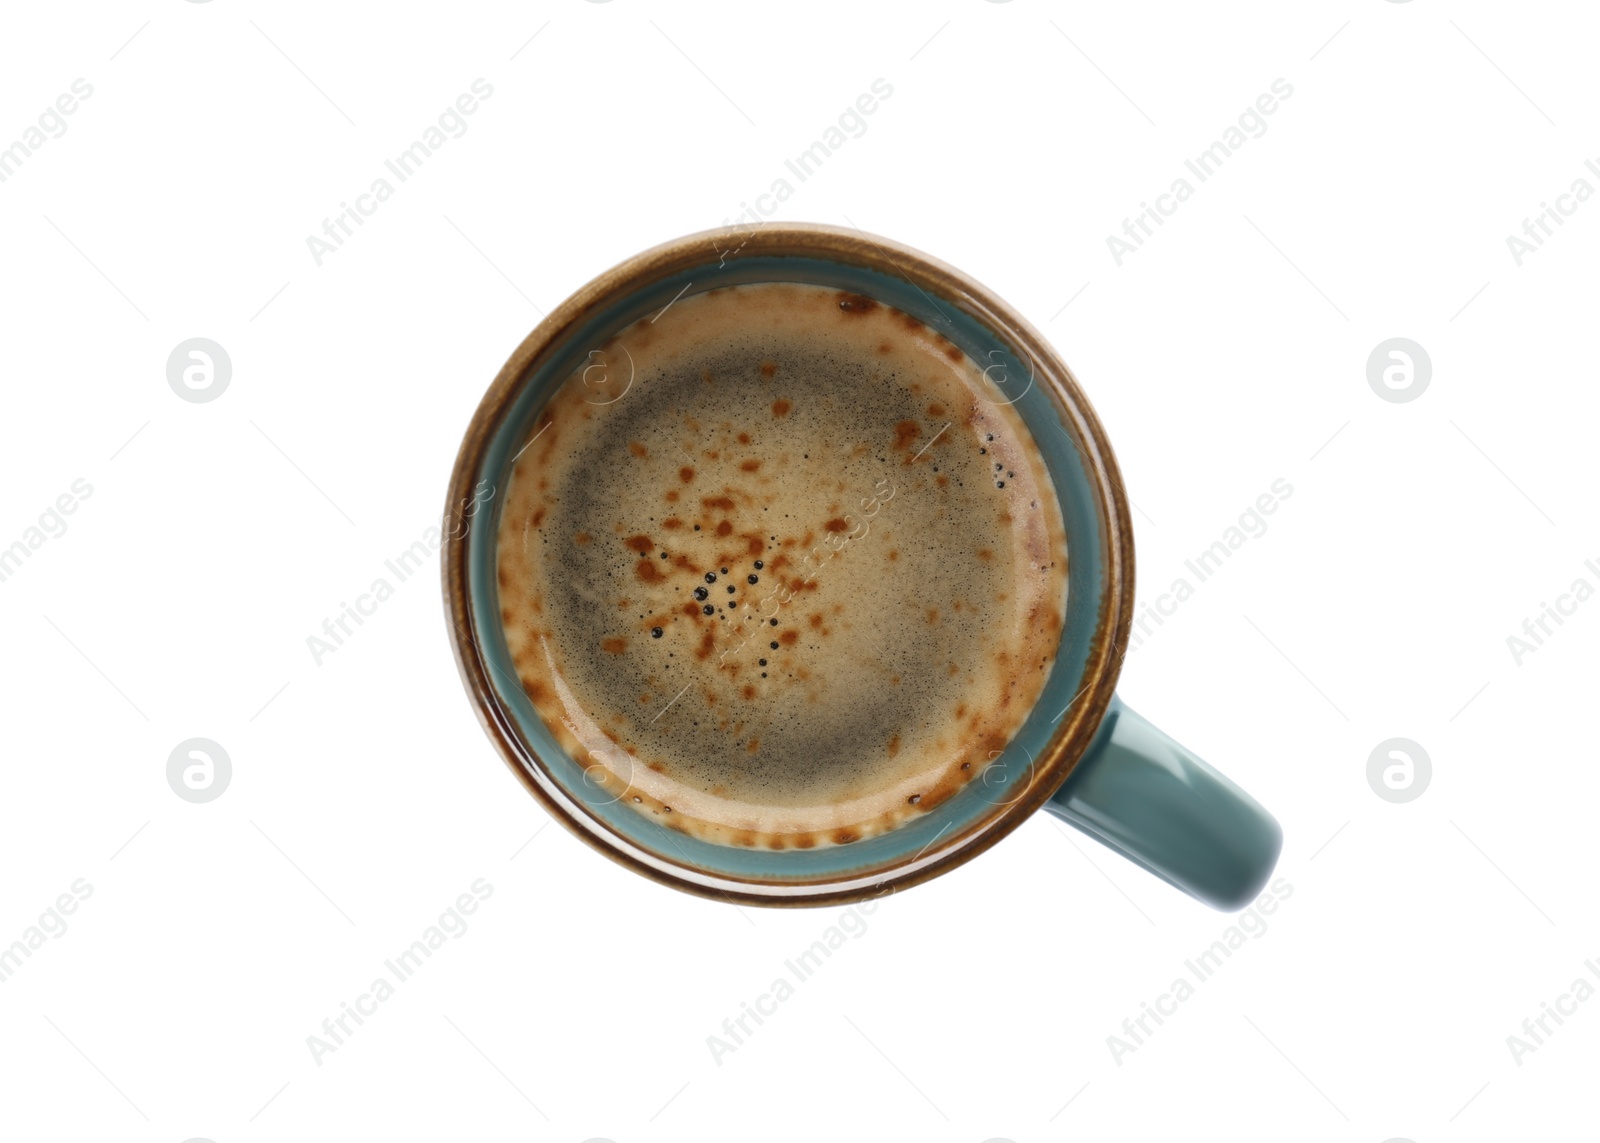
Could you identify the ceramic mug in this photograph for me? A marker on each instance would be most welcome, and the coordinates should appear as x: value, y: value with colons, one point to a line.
x: 1081, y: 754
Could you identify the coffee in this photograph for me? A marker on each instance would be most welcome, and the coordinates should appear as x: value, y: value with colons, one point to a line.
x: 781, y: 567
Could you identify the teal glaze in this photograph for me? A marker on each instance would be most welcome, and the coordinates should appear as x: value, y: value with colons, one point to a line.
x: 1144, y: 796
x: 1165, y: 837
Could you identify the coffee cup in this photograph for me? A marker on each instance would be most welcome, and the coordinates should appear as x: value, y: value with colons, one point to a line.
x: 1080, y: 753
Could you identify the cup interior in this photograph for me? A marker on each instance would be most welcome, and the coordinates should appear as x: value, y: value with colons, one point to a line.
x: 1037, y: 758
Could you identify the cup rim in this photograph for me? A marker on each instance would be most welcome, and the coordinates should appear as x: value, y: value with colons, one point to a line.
x: 1070, y: 738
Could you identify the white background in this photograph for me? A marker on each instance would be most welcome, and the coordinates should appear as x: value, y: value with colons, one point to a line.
x: 1229, y: 352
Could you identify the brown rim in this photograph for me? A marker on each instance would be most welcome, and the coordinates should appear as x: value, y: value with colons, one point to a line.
x: 1071, y: 736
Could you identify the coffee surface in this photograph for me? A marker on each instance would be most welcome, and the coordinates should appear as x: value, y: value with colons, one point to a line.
x: 780, y: 567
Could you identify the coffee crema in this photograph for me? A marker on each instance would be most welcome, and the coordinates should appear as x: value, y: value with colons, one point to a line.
x: 780, y: 567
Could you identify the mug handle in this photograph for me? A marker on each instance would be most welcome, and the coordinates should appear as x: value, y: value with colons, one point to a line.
x: 1138, y: 792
